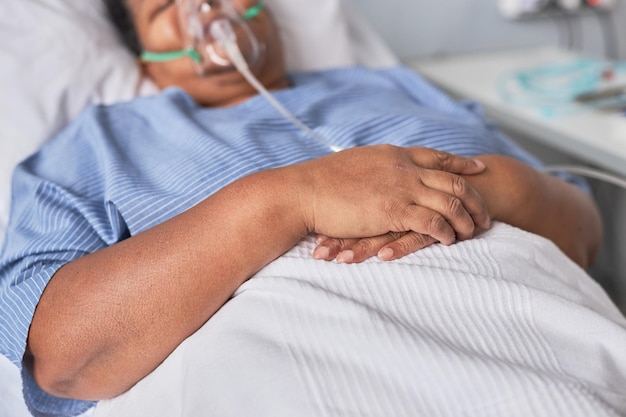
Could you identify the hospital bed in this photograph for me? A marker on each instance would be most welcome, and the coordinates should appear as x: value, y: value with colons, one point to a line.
x: 501, y: 325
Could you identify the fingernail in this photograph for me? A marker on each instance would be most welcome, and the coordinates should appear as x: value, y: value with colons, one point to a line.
x: 448, y: 242
x: 385, y: 254
x: 480, y: 164
x: 345, y: 257
x: 319, y: 239
x: 321, y: 252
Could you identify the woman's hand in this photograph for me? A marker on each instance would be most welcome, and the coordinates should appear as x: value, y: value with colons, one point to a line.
x: 387, y: 247
x: 515, y: 194
x: 374, y: 190
x: 542, y: 204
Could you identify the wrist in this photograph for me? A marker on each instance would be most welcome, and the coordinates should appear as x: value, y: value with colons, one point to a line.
x: 280, y: 198
x: 507, y: 186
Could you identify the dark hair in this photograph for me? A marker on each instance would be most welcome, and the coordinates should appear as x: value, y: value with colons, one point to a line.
x: 121, y: 17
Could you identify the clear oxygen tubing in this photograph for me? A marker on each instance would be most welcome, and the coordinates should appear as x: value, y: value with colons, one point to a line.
x: 587, y: 172
x: 223, y: 32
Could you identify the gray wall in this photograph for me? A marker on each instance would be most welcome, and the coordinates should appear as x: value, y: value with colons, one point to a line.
x: 423, y: 28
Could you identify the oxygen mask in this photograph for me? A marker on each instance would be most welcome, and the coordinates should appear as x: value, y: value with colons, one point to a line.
x: 200, y: 22
x: 217, y: 36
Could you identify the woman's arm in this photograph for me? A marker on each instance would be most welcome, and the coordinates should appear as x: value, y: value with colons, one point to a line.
x: 515, y: 194
x: 543, y: 204
x: 108, y: 319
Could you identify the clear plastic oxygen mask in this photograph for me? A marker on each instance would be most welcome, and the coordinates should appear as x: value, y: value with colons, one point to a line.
x: 217, y: 36
x: 201, y: 26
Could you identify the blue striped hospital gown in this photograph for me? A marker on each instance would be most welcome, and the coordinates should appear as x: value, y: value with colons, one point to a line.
x: 118, y: 170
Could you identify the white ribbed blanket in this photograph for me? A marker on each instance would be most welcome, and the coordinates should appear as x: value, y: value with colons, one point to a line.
x: 502, y: 325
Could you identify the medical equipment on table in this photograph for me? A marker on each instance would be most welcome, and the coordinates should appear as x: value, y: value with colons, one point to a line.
x: 564, y: 88
x: 567, y: 87
x: 216, y: 36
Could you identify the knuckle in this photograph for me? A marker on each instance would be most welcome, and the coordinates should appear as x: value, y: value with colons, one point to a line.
x: 444, y: 159
x: 436, y: 223
x: 334, y: 243
x: 366, y: 245
x: 396, y: 235
x: 411, y: 242
x: 385, y: 146
x: 343, y: 243
x: 329, y: 242
x: 460, y: 187
x: 455, y: 207
x: 418, y: 240
x: 404, y: 246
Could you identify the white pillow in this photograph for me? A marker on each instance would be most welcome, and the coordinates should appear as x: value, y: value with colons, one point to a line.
x: 58, y: 56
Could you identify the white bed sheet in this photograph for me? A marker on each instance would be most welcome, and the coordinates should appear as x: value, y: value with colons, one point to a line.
x: 503, y: 325
x: 12, y: 404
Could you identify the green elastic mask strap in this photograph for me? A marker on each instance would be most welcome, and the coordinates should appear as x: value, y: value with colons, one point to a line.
x: 253, y: 11
x: 169, y: 56
x: 146, y: 56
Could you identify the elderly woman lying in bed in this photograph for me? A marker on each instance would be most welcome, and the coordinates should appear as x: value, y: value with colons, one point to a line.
x: 137, y: 223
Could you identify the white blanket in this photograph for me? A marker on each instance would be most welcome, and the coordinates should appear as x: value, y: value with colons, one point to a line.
x: 502, y: 325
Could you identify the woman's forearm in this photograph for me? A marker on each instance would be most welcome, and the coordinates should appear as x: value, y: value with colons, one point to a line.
x: 114, y: 315
x: 548, y: 206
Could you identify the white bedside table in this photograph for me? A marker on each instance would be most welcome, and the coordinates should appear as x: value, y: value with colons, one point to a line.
x: 594, y: 137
